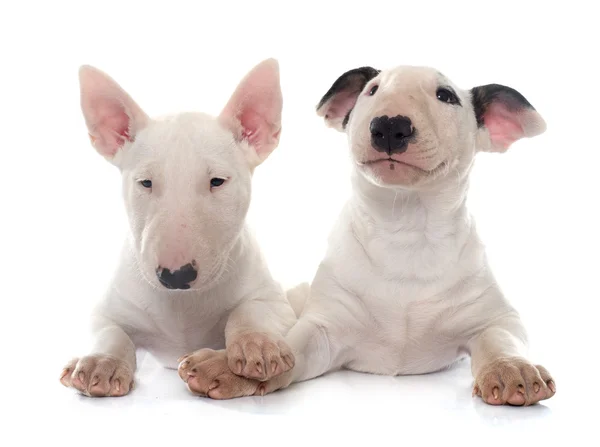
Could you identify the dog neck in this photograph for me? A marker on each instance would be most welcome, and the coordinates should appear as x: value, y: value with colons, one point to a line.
x: 401, y: 209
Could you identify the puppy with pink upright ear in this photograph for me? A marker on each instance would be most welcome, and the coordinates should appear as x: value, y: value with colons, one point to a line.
x: 191, y: 278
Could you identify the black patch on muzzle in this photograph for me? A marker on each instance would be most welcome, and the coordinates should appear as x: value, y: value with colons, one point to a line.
x: 179, y: 279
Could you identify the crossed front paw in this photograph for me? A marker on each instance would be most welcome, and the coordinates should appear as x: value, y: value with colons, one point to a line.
x: 259, y: 356
x: 206, y: 373
x: 513, y: 381
x: 98, y: 376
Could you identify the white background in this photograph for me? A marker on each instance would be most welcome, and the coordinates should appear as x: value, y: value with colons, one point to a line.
x: 62, y: 218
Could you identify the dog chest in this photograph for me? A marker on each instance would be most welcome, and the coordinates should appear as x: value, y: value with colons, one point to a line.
x: 173, y: 327
x: 413, y: 337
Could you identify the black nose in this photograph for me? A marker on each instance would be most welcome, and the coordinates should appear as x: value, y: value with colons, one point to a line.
x: 391, y: 135
x: 179, y: 279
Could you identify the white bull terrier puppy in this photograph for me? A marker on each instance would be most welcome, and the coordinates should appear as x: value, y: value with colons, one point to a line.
x: 190, y: 275
x: 405, y: 287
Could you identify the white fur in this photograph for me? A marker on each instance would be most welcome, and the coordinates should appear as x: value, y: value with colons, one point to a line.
x: 405, y: 287
x: 181, y: 219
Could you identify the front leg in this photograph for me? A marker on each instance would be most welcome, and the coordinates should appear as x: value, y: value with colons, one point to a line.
x: 502, y: 373
x: 108, y: 369
x: 255, y: 350
x: 207, y: 373
x: 320, y: 341
x: 254, y: 338
x: 317, y: 349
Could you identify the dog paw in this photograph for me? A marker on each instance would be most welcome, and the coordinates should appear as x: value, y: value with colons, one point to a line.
x: 513, y: 381
x: 206, y: 373
x: 259, y: 356
x: 98, y: 376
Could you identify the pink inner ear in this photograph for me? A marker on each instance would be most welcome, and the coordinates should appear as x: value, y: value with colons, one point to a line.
x: 503, y: 126
x: 111, y: 128
x: 111, y: 116
x: 255, y: 129
x: 256, y: 105
x: 340, y: 105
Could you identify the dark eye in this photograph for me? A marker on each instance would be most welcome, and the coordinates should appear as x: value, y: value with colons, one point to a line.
x: 447, y: 96
x: 146, y: 183
x: 216, y: 182
x: 373, y: 90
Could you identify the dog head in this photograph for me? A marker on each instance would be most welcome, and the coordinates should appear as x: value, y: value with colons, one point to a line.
x: 411, y: 127
x: 186, y: 178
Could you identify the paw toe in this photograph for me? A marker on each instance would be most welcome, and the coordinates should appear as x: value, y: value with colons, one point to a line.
x: 289, y: 360
x: 517, y: 398
x: 274, y: 370
x: 195, y: 386
x: 65, y: 377
x: 99, y: 389
x: 79, y: 381
x: 286, y: 355
x: 493, y: 396
x: 236, y: 360
x: 121, y: 385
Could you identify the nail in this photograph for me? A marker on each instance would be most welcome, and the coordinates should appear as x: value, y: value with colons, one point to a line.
x: 64, y: 373
x: 117, y: 384
x: 552, y: 386
x: 288, y: 361
x: 81, y: 377
x: 536, y: 387
x: 95, y: 380
x: 259, y: 367
x: 475, y: 391
x: 273, y: 367
x: 521, y: 389
x: 238, y: 367
x: 496, y: 392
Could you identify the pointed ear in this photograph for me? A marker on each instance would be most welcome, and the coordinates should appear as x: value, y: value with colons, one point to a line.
x: 254, y: 110
x: 506, y: 116
x: 340, y: 99
x: 111, y: 116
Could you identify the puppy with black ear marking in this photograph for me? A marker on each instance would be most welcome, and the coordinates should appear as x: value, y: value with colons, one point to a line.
x: 405, y: 287
x: 191, y: 275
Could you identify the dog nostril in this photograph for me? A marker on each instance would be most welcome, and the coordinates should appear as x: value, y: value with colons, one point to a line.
x: 391, y: 135
x: 178, y: 279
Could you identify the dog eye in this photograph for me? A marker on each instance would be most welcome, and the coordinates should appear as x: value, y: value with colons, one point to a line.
x: 216, y: 182
x: 146, y: 183
x: 447, y: 96
x: 373, y: 90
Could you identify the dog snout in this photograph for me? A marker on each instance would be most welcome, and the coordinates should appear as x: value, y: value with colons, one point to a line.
x: 178, y: 279
x: 391, y: 135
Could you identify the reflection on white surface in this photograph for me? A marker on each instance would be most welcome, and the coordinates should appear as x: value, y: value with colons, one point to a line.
x: 343, y: 408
